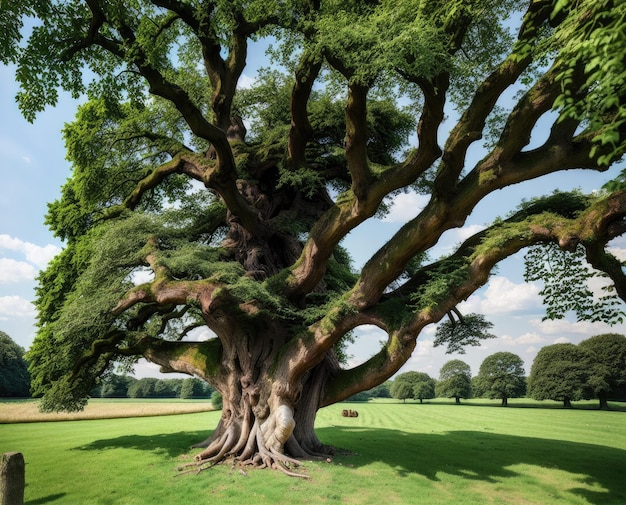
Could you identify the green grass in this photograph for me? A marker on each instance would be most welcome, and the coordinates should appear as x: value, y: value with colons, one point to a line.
x: 436, y: 453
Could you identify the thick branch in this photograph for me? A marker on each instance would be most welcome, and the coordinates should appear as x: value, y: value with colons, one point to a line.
x: 356, y: 139
x: 201, y: 359
x: 598, y: 224
x: 471, y: 125
x: 301, y: 130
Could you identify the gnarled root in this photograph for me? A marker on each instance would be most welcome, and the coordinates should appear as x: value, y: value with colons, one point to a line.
x: 260, y: 445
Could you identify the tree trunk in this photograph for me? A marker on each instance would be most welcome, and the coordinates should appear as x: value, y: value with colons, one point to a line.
x: 505, y: 402
x: 604, y: 404
x: 266, y: 422
x: 457, y: 400
x: 567, y: 403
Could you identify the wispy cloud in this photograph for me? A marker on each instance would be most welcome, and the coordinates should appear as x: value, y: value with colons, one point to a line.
x: 405, y: 207
x: 35, y: 254
x: 525, y: 339
x: 504, y: 296
x: 13, y: 271
x: 15, y: 306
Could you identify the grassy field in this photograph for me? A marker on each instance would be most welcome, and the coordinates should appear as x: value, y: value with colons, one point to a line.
x: 433, y: 454
x: 27, y: 411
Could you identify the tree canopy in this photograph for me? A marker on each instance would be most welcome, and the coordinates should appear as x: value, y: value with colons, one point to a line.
x: 14, y: 378
x: 564, y: 372
x: 455, y: 380
x: 501, y: 375
x: 203, y: 222
x: 609, y: 351
x: 417, y: 385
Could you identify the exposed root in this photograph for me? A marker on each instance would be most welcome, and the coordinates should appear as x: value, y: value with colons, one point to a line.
x: 257, y: 440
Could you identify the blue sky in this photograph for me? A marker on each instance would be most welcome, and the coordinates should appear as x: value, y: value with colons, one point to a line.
x: 33, y: 168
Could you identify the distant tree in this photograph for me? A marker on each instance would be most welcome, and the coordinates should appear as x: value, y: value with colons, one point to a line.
x: 194, y: 388
x: 403, y: 386
x: 143, y: 388
x: 401, y: 390
x: 563, y: 372
x: 609, y: 350
x: 116, y: 386
x: 455, y: 380
x: 14, y: 378
x: 424, y: 390
x: 501, y: 375
x: 165, y: 389
x: 382, y: 390
x: 216, y: 400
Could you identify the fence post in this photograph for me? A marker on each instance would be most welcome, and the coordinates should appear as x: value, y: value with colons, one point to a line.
x: 12, y: 479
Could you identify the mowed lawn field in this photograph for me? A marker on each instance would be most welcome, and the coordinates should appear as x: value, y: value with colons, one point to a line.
x: 393, y: 453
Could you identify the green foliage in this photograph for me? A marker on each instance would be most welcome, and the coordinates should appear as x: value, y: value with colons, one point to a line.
x: 150, y: 387
x: 14, y: 378
x: 592, y: 40
x: 471, y: 329
x: 268, y: 102
x: 424, y: 390
x: 401, y: 390
x: 417, y: 385
x: 455, y: 380
x: 566, y: 288
x: 352, y: 34
x: 563, y: 372
x: 195, y: 388
x: 113, y: 386
x: 609, y: 351
x: 216, y: 400
x: 444, y: 276
x: 502, y: 376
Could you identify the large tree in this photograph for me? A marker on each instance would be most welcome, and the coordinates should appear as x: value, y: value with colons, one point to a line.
x: 176, y: 218
x: 563, y: 372
x: 455, y: 380
x: 609, y: 350
x: 502, y: 376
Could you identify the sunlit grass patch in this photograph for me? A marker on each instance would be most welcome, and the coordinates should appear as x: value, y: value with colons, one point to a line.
x: 27, y: 411
x: 431, y: 454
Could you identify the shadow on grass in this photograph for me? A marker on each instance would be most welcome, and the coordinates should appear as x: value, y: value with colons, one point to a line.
x: 172, y: 444
x: 472, y: 455
x: 45, y: 499
x: 484, y: 456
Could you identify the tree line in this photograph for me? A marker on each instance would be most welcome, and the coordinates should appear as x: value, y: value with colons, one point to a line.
x: 124, y: 386
x: 595, y: 368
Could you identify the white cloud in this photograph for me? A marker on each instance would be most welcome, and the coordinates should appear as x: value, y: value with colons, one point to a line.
x: 467, y: 231
x: 16, y: 306
x: 618, y: 252
x: 38, y: 255
x: 562, y: 340
x: 405, y: 206
x: 15, y: 271
x: 525, y: 339
x: 246, y: 82
x: 504, y: 296
x: 423, y: 348
x: 530, y: 338
x: 563, y: 326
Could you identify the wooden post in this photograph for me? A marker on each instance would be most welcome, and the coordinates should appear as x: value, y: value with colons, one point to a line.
x: 12, y: 479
